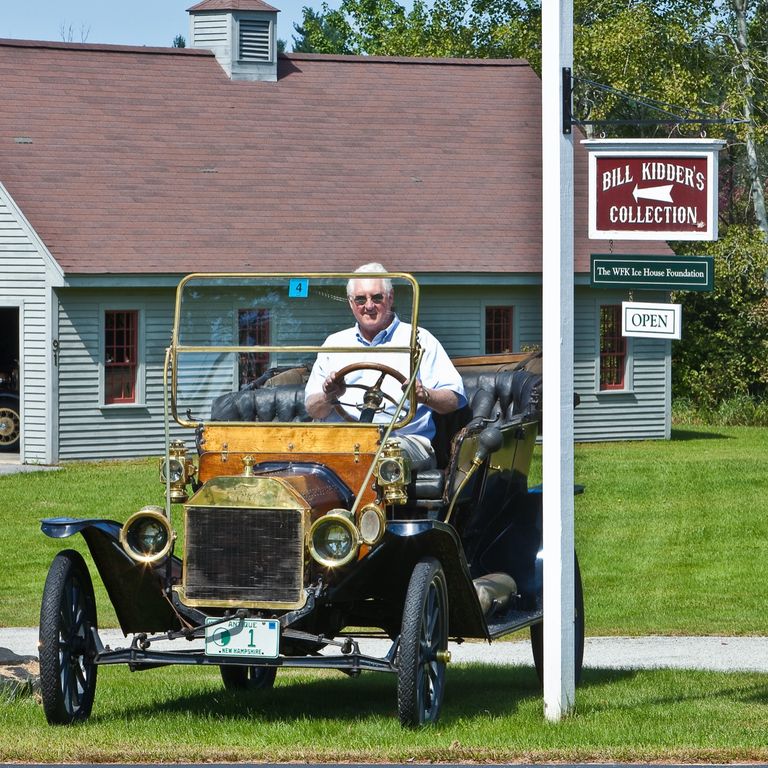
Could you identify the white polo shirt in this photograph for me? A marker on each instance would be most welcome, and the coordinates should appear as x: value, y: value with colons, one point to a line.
x: 435, y: 372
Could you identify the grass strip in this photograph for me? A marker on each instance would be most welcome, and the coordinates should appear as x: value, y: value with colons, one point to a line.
x: 671, y: 535
x: 491, y: 714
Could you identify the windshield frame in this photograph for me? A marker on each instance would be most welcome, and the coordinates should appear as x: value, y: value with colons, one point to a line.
x: 177, y: 349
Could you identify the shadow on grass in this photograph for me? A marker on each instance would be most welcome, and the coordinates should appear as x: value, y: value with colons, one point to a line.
x: 686, y: 434
x: 751, y: 693
x: 473, y: 690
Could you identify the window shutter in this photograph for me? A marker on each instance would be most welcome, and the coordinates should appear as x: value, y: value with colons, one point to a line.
x: 254, y: 40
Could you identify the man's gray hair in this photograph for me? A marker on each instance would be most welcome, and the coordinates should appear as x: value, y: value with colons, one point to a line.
x: 374, y: 266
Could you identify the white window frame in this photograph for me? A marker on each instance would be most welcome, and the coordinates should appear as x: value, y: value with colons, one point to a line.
x: 485, y: 304
x: 140, y: 400
x: 629, y: 370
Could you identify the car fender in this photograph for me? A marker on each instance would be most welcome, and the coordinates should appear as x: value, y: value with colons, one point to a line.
x: 407, y: 541
x: 135, y: 589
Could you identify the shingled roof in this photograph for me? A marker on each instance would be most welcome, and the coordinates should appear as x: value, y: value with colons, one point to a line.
x: 150, y: 160
x: 232, y: 5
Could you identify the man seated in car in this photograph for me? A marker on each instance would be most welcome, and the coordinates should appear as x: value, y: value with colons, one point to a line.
x: 438, y: 387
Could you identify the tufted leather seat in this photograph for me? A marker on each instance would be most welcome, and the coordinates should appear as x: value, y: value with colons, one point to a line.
x: 501, y: 396
x: 508, y: 393
x: 283, y: 403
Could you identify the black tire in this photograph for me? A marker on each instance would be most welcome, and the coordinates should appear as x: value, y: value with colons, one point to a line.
x: 67, y: 647
x: 10, y: 425
x: 537, y: 631
x: 238, y: 678
x: 424, y: 633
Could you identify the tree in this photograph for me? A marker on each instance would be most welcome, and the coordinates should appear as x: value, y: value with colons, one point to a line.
x: 179, y: 41
x: 740, y: 30
x: 679, y: 59
x: 724, y: 351
x: 67, y: 33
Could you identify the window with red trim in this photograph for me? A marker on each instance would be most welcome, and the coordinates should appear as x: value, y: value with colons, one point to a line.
x: 253, y: 330
x: 498, y: 330
x: 613, y: 348
x: 121, y: 346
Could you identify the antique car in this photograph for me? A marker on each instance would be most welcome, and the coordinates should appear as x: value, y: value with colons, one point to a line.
x: 300, y: 540
x: 10, y: 423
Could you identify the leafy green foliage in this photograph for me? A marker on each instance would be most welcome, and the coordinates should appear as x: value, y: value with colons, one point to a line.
x: 724, y: 350
x: 737, y: 411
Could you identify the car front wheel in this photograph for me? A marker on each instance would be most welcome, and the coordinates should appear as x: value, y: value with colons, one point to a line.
x: 247, y: 678
x: 423, y: 642
x: 10, y: 424
x: 67, y: 645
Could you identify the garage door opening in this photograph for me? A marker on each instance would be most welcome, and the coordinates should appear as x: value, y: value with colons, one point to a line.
x: 10, y: 413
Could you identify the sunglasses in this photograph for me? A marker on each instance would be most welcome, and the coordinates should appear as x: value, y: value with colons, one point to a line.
x: 376, y: 298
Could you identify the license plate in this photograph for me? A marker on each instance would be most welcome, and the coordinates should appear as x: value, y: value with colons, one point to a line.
x: 243, y: 637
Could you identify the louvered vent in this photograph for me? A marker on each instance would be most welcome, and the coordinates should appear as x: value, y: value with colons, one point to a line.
x: 210, y: 31
x: 254, y: 40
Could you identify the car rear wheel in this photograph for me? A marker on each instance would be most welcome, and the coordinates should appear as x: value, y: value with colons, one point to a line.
x: 537, y: 631
x: 67, y: 645
x: 423, y: 642
x: 10, y: 425
x: 247, y: 678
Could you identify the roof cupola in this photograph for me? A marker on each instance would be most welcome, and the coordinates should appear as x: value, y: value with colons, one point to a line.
x: 241, y: 33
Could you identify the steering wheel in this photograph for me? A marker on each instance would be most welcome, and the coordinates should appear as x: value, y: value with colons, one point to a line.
x: 374, y: 395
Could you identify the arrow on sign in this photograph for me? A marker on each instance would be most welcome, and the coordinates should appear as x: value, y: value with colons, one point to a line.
x: 663, y: 193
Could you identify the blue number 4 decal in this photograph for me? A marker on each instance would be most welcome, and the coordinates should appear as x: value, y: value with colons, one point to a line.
x: 298, y: 288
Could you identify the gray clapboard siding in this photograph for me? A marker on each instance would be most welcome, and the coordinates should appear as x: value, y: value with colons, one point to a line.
x: 642, y: 412
x: 87, y: 429
x: 24, y: 284
x: 454, y: 314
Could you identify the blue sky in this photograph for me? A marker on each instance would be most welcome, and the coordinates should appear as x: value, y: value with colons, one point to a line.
x: 137, y: 22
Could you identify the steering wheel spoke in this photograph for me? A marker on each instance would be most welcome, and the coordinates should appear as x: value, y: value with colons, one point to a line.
x: 373, y: 396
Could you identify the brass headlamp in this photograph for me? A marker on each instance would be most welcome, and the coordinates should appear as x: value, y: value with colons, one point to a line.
x: 393, y: 473
x: 179, y: 469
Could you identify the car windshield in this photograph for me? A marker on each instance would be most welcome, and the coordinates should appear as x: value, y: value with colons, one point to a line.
x: 244, y: 332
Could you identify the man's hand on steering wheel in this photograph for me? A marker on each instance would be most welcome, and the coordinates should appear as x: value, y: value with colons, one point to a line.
x: 334, y: 386
x: 374, y: 395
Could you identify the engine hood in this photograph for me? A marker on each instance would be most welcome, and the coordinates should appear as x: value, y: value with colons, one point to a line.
x: 312, y: 487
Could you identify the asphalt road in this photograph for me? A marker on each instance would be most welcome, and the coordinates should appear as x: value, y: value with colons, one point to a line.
x: 714, y: 653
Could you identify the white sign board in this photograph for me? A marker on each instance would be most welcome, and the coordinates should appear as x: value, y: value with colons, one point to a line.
x: 651, y: 321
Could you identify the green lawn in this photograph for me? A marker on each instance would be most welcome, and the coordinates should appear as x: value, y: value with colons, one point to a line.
x: 671, y: 537
x: 491, y: 714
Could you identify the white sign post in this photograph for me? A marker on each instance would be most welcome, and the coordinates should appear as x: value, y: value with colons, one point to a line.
x: 557, y: 336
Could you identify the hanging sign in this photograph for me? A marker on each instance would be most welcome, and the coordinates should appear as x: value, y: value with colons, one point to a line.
x: 650, y: 321
x: 650, y: 189
x: 662, y: 273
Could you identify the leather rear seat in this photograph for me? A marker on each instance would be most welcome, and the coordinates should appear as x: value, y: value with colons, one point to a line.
x: 506, y: 393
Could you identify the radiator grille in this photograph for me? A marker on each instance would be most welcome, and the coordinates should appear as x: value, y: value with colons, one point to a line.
x: 244, y: 555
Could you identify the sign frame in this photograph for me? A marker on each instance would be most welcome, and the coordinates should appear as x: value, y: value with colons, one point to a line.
x: 671, y: 311
x: 600, y: 263
x: 656, y: 149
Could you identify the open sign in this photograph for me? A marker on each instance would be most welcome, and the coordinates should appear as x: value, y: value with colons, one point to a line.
x: 651, y: 321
